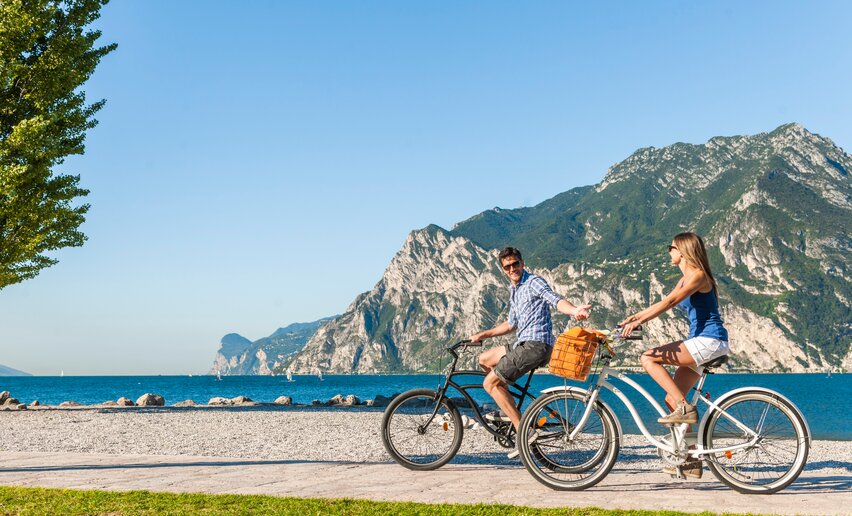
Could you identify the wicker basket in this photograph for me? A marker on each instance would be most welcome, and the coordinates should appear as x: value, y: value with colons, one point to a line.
x: 573, y: 353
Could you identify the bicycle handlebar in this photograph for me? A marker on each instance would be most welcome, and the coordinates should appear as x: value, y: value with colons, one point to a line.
x: 631, y: 337
x: 464, y: 344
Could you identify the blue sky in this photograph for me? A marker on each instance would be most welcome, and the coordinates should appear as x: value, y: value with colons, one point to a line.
x: 259, y: 163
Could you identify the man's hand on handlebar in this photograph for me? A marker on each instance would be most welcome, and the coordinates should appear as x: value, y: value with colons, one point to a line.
x: 477, y: 337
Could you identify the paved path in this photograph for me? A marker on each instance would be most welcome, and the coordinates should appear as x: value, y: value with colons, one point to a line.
x: 813, y: 493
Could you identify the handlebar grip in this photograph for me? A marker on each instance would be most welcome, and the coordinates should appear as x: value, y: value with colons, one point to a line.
x: 633, y: 337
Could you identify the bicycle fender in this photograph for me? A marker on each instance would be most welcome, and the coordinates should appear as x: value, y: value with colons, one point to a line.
x: 578, y: 390
x: 702, y: 426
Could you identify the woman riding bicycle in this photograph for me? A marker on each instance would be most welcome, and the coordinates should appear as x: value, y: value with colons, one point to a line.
x: 707, y: 340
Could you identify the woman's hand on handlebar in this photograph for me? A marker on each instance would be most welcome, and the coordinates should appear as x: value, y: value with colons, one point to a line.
x: 628, y: 325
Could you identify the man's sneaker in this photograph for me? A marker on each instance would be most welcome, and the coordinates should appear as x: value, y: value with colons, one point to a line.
x: 497, y: 416
x: 532, y: 438
x: 683, y: 413
x: 690, y: 469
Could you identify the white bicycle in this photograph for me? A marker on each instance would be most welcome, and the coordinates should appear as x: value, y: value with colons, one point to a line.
x: 754, y: 439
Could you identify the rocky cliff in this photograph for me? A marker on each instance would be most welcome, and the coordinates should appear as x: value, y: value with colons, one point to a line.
x: 239, y: 356
x: 774, y: 209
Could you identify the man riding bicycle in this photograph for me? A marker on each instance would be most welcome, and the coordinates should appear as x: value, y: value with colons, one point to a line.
x: 530, y: 300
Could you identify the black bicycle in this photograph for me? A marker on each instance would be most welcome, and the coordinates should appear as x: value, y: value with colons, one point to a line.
x: 422, y: 429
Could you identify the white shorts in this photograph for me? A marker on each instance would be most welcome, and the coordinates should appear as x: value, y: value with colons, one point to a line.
x: 705, y: 349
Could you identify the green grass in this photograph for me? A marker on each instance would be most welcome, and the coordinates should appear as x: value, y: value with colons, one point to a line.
x: 29, y: 500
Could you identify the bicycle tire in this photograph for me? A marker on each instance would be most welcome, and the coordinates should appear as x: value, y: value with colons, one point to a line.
x: 557, y: 462
x: 410, y: 440
x: 776, y: 460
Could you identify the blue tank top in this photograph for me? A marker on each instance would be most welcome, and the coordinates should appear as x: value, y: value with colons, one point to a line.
x: 704, y: 318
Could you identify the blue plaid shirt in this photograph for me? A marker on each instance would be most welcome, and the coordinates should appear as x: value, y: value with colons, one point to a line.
x: 529, y: 312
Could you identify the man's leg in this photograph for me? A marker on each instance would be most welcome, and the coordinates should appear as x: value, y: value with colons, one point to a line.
x: 498, y: 390
x: 488, y: 359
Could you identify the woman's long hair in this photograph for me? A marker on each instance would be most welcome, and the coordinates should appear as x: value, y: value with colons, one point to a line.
x: 691, y: 246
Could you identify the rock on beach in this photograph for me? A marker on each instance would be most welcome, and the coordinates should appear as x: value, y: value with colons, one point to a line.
x: 150, y: 400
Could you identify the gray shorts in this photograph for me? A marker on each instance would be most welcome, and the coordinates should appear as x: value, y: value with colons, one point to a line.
x: 522, y: 359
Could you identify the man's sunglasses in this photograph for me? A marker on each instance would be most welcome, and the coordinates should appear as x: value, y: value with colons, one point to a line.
x: 510, y: 266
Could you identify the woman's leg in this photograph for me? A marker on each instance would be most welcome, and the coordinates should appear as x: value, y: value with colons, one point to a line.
x: 673, y: 353
x: 684, y: 377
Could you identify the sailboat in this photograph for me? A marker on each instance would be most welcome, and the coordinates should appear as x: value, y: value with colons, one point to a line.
x: 319, y: 375
x: 62, y: 373
x: 289, y: 375
x: 218, y: 376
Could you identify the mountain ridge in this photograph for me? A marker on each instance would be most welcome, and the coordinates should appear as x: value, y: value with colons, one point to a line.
x: 773, y: 208
x: 8, y: 371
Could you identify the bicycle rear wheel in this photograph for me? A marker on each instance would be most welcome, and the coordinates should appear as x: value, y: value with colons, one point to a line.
x: 770, y: 462
x: 556, y: 460
x: 414, y: 438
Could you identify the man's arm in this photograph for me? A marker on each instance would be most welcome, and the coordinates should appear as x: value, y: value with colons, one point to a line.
x: 568, y: 308
x: 501, y: 329
x: 543, y: 290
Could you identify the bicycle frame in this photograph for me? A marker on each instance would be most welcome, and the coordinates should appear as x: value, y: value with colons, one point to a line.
x: 519, y: 393
x: 678, y: 431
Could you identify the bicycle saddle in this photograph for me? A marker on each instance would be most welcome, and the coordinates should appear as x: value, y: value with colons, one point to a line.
x: 716, y: 362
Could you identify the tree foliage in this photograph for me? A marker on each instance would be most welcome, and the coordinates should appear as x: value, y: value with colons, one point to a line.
x: 46, y: 55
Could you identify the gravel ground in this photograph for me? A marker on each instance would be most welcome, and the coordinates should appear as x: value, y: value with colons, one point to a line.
x: 272, y: 433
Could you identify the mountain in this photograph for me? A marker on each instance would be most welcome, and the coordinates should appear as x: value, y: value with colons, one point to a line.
x: 774, y: 209
x: 8, y: 371
x: 239, y: 356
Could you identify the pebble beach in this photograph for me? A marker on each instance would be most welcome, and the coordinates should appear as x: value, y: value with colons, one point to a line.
x: 325, y: 434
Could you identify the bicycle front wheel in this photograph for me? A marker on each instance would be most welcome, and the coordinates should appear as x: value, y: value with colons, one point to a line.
x: 763, y: 464
x: 416, y: 435
x: 556, y: 459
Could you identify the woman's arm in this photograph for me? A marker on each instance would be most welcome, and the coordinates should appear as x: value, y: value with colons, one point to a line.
x: 685, y: 288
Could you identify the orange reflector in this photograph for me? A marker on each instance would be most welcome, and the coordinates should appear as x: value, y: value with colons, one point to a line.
x: 728, y: 454
x: 446, y: 426
x: 553, y: 414
x: 542, y: 420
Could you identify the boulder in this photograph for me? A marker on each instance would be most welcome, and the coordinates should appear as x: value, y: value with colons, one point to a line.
x: 22, y: 406
x: 316, y: 402
x: 150, y: 400
x: 283, y: 400
x: 67, y: 404
x: 220, y: 401
x: 351, y: 400
x: 109, y: 404
x: 11, y: 402
x: 125, y: 402
x: 370, y: 403
x: 185, y: 403
x: 4, y: 396
x: 242, y: 400
x: 35, y: 403
x: 337, y: 399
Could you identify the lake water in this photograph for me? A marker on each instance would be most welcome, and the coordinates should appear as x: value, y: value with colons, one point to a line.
x: 825, y: 401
